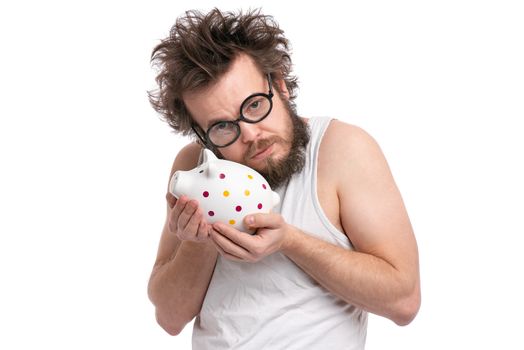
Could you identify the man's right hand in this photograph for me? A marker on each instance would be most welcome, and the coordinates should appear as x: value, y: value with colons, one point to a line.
x: 186, y: 219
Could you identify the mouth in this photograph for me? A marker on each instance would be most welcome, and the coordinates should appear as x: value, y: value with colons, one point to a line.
x: 262, y: 153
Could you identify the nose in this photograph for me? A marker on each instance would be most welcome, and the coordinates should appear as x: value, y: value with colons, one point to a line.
x: 249, y: 132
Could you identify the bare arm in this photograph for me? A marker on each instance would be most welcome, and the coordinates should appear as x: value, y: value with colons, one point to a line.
x: 382, y: 275
x: 371, y: 282
x: 185, y: 260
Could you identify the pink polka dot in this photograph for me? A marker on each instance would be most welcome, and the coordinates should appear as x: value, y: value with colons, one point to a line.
x: 211, y: 213
x: 238, y: 208
x: 205, y: 194
x: 264, y: 186
x: 259, y: 206
x: 222, y: 176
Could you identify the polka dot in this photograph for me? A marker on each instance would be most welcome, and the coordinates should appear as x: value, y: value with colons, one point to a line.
x: 250, y: 177
x: 211, y: 213
x: 247, y: 193
x: 238, y: 208
x: 205, y: 194
x: 259, y: 206
x: 232, y: 222
x: 226, y: 193
x: 222, y: 176
x: 264, y: 186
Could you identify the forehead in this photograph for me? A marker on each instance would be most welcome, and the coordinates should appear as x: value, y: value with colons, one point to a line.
x: 222, y: 100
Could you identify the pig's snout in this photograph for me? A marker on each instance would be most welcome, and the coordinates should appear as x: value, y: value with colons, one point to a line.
x: 174, y: 186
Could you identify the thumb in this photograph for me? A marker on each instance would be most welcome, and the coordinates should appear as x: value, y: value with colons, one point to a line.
x: 270, y: 220
x: 171, y: 200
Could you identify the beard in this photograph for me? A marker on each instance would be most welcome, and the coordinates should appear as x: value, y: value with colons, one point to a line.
x: 277, y: 172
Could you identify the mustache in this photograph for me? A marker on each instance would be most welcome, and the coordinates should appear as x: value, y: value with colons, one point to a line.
x: 259, y: 145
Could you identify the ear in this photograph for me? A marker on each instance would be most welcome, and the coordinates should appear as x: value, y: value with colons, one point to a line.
x: 206, y: 155
x: 282, y: 88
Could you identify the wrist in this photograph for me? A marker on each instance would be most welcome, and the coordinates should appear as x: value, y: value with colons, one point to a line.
x: 202, y: 245
x: 290, y: 239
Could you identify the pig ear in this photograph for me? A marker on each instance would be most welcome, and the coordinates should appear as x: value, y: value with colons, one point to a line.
x: 212, y: 169
x: 205, y: 156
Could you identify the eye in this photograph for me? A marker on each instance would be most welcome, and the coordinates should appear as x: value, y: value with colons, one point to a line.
x: 221, y: 126
x: 255, y: 104
x: 255, y: 107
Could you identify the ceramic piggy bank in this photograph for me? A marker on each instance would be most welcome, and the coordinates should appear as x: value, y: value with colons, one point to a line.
x: 226, y: 191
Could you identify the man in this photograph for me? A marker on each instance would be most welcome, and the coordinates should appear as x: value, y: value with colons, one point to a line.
x: 339, y: 245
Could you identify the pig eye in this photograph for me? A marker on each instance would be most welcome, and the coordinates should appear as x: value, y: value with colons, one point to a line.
x: 201, y: 171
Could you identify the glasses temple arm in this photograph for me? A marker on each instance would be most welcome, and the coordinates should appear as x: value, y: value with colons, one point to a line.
x: 194, y: 127
x: 270, y: 85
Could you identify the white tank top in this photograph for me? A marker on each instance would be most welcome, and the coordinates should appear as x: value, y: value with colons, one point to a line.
x: 273, y: 304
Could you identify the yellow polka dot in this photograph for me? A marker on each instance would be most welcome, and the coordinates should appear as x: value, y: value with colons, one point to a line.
x: 231, y: 222
x: 250, y: 177
x: 247, y: 193
x: 226, y: 193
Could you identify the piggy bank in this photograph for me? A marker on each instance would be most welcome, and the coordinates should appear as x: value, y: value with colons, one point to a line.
x: 226, y: 191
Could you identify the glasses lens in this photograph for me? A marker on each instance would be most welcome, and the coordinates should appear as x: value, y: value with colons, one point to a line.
x: 256, y: 107
x: 222, y: 133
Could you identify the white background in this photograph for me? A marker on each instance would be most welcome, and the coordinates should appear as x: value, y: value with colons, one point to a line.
x: 85, y: 159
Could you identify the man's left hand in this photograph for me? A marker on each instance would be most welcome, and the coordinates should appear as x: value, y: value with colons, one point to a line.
x: 273, y: 233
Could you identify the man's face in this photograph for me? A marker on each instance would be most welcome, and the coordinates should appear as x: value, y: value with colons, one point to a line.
x: 269, y: 146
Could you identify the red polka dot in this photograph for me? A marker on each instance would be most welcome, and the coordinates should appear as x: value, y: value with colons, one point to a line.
x: 222, y: 176
x: 264, y: 186
x: 211, y: 213
x: 205, y: 194
x: 259, y: 206
x: 238, y: 208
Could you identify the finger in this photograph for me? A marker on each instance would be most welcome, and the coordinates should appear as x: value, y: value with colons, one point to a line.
x: 229, y: 246
x: 175, y: 213
x: 237, y: 237
x: 193, y: 224
x: 224, y: 254
x: 203, y: 231
x: 178, y: 208
x: 188, y: 212
x: 171, y: 200
x: 270, y: 220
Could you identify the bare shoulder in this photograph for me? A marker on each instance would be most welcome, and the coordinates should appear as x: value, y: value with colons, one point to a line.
x: 187, y: 158
x: 347, y: 139
x: 349, y: 150
x: 358, y: 158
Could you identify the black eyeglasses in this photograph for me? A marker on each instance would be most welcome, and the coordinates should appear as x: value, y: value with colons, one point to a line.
x: 254, y: 109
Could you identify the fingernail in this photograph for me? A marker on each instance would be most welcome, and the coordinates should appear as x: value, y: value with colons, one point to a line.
x: 250, y: 220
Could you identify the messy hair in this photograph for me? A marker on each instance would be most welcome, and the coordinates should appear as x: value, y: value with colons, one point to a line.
x: 201, y: 47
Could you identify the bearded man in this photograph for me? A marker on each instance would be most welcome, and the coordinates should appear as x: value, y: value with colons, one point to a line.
x: 340, y: 243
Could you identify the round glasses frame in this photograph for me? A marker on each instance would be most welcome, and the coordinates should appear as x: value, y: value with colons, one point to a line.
x: 206, y: 140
